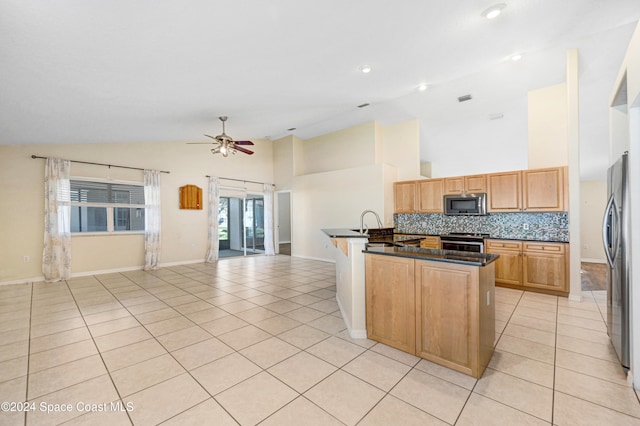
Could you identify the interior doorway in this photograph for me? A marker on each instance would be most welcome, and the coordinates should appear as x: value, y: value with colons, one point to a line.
x: 283, y: 224
x: 241, y: 225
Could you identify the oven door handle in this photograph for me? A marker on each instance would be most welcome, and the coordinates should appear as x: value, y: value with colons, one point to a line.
x: 471, y: 243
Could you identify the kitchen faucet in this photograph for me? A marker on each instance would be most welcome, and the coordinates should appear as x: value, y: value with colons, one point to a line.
x: 362, y: 220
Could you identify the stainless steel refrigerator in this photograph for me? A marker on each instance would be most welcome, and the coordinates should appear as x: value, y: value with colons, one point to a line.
x: 615, y: 235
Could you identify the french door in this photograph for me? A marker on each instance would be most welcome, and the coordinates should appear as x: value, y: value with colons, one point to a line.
x: 241, y: 225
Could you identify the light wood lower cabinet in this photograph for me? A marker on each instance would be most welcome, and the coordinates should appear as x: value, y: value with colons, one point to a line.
x: 456, y: 315
x: 391, y: 301
x: 509, y: 264
x: 443, y: 312
x: 532, y: 266
x: 430, y: 242
x: 546, y: 266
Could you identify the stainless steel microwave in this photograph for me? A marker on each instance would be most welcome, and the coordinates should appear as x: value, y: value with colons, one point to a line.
x: 466, y: 204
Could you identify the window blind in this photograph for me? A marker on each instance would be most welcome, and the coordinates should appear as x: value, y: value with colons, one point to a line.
x: 104, y: 192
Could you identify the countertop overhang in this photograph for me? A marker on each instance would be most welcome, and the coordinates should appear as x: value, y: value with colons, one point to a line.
x: 449, y: 256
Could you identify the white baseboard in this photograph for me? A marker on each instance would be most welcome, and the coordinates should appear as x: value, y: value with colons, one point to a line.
x: 134, y: 268
x: 314, y: 258
x: 22, y: 281
x: 587, y: 260
x: 355, y: 334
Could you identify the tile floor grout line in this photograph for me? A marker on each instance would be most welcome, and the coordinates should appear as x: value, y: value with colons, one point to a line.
x: 26, y: 390
x: 176, y: 360
x: 98, y: 349
x: 555, y: 364
x: 265, y: 370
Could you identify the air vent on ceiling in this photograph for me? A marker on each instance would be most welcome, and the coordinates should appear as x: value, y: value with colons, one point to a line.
x: 363, y: 105
x: 464, y: 98
x: 497, y: 116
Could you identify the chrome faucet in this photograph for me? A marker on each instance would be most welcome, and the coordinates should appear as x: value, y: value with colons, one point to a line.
x: 362, y: 220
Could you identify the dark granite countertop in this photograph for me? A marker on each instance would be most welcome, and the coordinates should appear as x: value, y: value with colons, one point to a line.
x: 343, y: 233
x: 450, y: 256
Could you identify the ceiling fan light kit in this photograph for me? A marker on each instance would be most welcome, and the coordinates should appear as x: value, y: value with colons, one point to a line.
x: 225, y: 144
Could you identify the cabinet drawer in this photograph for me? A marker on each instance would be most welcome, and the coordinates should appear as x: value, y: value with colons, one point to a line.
x: 430, y: 242
x: 557, y: 248
x: 504, y: 245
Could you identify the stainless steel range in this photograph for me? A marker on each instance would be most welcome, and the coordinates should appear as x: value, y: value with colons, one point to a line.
x: 462, y: 241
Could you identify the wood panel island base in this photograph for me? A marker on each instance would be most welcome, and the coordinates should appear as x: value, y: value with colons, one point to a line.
x: 435, y: 304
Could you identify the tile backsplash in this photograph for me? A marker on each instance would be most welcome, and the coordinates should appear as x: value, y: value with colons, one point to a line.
x: 541, y: 226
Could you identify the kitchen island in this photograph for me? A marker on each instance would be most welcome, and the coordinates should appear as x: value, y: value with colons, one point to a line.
x: 436, y: 304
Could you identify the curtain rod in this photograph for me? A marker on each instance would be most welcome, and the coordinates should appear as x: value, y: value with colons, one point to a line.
x: 245, y: 181
x: 100, y: 164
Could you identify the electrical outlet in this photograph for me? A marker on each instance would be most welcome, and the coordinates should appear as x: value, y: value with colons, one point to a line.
x: 25, y: 259
x: 525, y: 226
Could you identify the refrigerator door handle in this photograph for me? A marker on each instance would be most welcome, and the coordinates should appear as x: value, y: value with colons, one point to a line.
x: 606, y: 230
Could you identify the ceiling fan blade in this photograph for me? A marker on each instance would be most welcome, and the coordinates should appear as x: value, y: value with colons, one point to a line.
x: 243, y: 142
x: 241, y: 149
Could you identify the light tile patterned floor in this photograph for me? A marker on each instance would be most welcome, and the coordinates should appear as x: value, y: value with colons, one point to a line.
x: 261, y: 340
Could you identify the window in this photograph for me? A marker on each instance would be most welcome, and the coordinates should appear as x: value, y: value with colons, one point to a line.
x: 106, y: 207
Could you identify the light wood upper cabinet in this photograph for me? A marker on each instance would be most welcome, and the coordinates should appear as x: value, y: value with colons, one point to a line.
x: 390, y: 302
x: 465, y: 184
x: 430, y: 193
x: 543, y: 190
x: 404, y: 197
x: 454, y: 185
x: 537, y: 190
x: 504, y: 192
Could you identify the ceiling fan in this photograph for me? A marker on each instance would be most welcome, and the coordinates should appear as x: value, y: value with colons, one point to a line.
x: 225, y: 144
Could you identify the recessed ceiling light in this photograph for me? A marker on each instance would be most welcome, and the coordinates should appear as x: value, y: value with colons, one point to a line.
x: 516, y: 56
x: 291, y: 129
x: 493, y: 11
x: 423, y: 87
x: 365, y: 69
x: 363, y: 105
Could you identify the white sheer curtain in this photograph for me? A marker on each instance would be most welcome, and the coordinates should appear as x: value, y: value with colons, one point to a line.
x: 269, y: 248
x: 151, y: 219
x: 213, y: 242
x: 56, y: 255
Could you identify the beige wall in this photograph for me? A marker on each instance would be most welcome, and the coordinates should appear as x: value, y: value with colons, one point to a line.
x: 338, y: 183
x: 400, y: 149
x: 547, y: 127
x: 333, y: 200
x: 344, y: 149
x: 184, y: 232
x: 593, y: 199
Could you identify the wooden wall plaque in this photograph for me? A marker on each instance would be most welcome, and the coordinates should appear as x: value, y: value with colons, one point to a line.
x: 190, y: 197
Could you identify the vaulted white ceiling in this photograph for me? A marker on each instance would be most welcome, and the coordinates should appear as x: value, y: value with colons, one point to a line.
x: 83, y: 71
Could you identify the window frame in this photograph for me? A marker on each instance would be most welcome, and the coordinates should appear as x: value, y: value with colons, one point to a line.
x: 110, y: 208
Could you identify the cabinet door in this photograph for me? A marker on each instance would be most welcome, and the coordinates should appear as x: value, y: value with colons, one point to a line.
x: 390, y: 298
x: 454, y: 185
x: 476, y: 183
x: 404, y: 197
x: 545, y: 266
x: 509, y: 264
x: 504, y: 192
x: 430, y: 194
x: 543, y: 190
x: 447, y: 312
